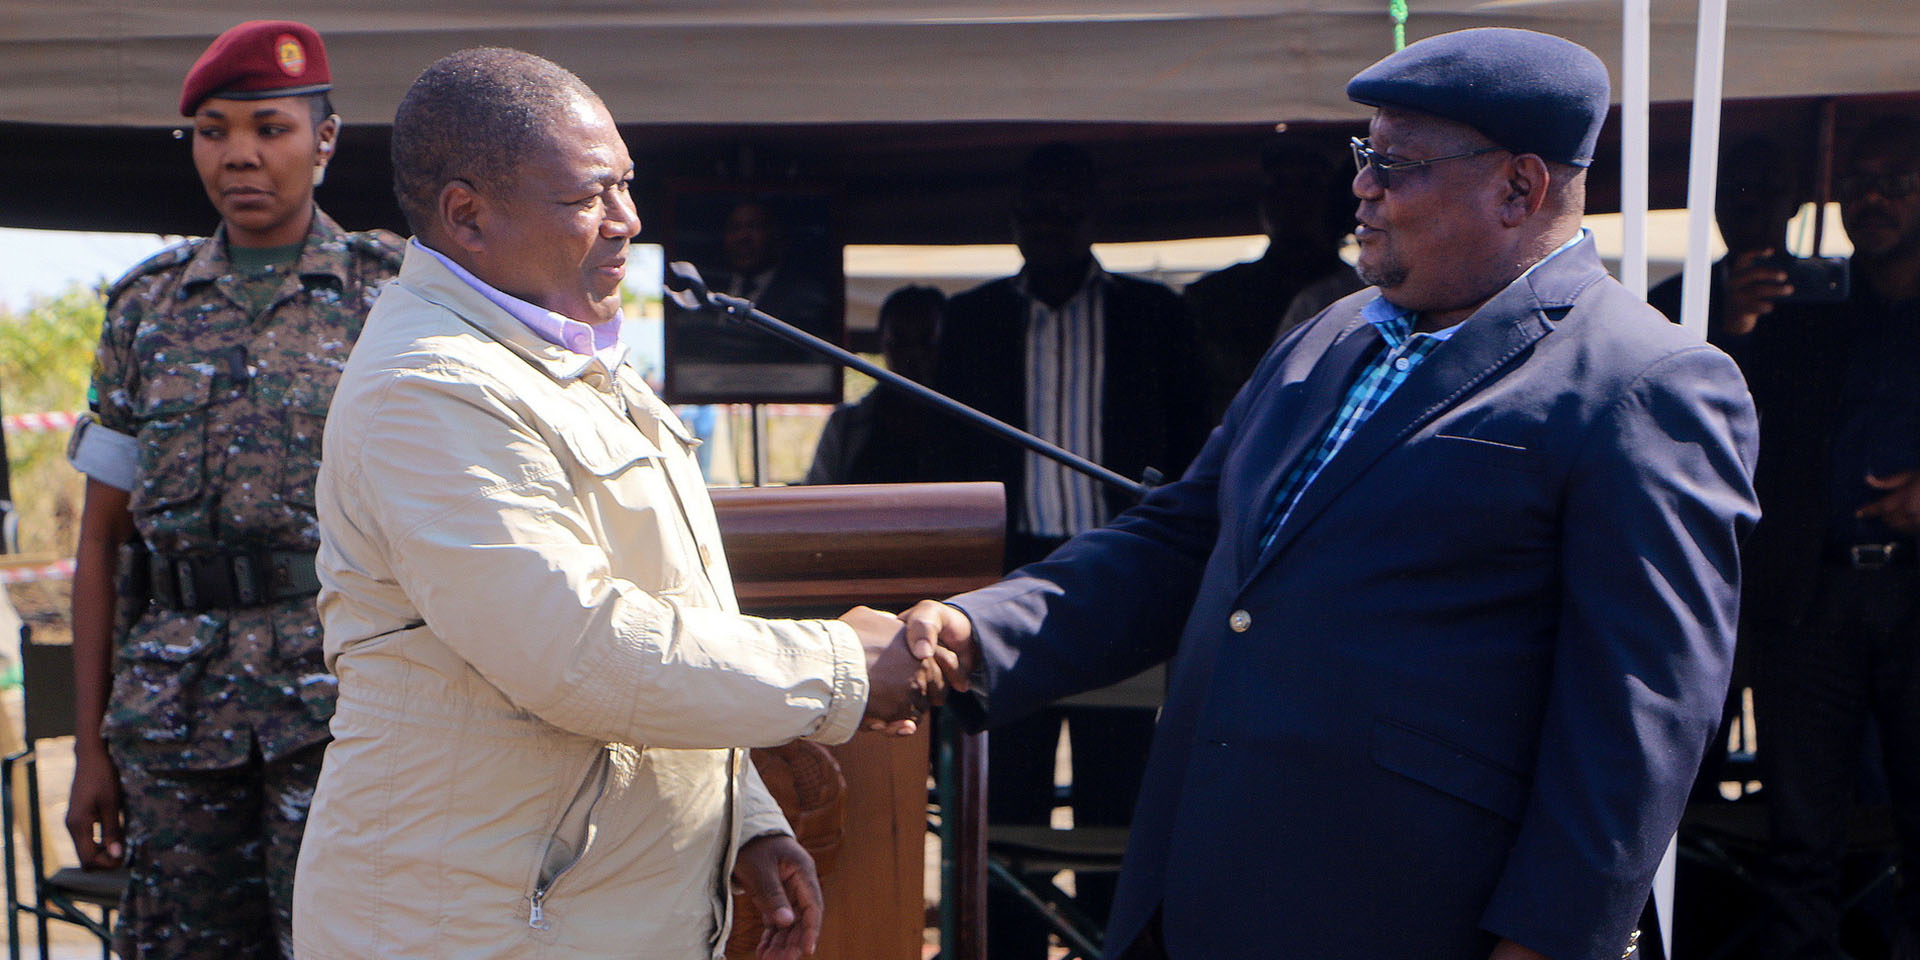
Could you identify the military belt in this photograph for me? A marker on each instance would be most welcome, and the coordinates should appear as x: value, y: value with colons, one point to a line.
x: 194, y: 583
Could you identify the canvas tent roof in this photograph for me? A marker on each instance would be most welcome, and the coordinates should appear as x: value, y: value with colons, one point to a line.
x: 886, y: 97
x: 119, y: 62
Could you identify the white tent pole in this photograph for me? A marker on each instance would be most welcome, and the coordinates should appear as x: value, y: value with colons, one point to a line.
x: 1636, y: 41
x: 1635, y: 60
x: 1663, y: 895
x: 1702, y: 173
x: 1704, y: 161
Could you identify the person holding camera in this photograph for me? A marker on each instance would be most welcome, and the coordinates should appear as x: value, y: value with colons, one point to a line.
x: 1759, y: 189
x: 1832, y: 607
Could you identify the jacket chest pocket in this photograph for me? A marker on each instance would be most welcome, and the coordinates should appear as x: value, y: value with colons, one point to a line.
x: 622, y: 483
x: 611, y: 455
x: 173, y: 410
x: 306, y: 414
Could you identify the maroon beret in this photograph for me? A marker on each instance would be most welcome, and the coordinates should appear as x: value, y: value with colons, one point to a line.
x: 258, y: 60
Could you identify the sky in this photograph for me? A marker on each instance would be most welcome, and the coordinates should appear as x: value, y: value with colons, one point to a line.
x: 38, y: 264
x: 45, y: 263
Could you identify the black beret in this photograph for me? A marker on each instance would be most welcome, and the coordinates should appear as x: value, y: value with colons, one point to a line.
x: 1529, y: 92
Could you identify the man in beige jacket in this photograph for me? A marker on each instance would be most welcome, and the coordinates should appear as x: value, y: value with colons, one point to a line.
x: 545, y: 683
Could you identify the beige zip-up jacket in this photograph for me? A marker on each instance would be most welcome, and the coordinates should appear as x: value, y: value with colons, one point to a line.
x: 544, y: 678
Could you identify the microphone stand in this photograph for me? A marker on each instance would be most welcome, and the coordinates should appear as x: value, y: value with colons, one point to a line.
x: 691, y: 294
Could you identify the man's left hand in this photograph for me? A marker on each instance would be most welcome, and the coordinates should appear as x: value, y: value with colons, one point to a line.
x: 1900, y: 508
x: 778, y: 877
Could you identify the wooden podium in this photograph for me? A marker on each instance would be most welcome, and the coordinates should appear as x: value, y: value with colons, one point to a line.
x: 814, y: 552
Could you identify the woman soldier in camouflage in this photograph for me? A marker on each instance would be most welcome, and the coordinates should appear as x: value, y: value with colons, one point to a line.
x: 203, y: 713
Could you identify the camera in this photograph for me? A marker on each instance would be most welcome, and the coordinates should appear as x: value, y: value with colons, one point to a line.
x: 1814, y: 279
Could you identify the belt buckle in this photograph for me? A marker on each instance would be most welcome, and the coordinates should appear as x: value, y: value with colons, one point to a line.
x: 247, y: 580
x: 1872, y: 556
x: 186, y: 587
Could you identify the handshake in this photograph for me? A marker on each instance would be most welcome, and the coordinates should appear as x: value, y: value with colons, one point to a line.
x: 913, y: 659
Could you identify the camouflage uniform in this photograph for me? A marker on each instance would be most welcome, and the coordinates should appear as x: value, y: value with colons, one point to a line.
x: 217, y: 720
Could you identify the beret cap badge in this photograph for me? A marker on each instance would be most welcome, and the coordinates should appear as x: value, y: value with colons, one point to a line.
x: 292, y: 56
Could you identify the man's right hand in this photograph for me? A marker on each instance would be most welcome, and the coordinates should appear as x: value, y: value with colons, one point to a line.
x: 940, y: 631
x: 1752, y: 285
x: 901, y: 683
x: 95, y: 804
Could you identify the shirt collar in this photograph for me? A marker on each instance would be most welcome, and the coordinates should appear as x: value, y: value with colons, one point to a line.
x: 1582, y: 234
x: 323, y: 252
x: 592, y: 340
x: 1395, y: 323
x: 1095, y: 274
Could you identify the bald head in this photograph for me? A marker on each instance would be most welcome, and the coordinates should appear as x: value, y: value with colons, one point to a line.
x: 473, y: 115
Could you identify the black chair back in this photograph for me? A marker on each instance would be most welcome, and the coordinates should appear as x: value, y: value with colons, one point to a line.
x: 46, y: 672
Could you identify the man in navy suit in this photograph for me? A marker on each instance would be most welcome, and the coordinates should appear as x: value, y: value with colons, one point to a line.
x: 1448, y: 596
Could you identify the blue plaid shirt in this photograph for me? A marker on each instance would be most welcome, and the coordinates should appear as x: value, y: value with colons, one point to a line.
x: 1400, y: 351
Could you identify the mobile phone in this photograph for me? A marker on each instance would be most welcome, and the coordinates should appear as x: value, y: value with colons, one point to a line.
x: 1814, y: 279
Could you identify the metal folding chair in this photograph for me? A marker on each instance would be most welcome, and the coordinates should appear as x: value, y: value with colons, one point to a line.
x: 977, y: 854
x: 47, y: 679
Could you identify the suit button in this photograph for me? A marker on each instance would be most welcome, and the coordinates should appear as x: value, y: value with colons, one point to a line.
x: 596, y: 380
x: 1239, y: 621
x: 706, y: 556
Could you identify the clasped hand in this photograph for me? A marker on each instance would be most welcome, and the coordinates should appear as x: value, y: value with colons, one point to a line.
x: 913, y: 659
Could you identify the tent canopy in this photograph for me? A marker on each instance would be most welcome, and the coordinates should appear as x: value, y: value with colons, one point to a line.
x: 115, y: 62
x: 912, y: 109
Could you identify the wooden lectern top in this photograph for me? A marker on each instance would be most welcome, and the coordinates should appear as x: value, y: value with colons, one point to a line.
x: 815, y: 551
x: 884, y: 545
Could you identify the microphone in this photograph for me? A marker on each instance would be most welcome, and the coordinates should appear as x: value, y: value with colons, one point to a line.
x: 690, y: 293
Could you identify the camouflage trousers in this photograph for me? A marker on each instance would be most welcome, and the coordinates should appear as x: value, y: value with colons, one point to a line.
x: 210, y: 854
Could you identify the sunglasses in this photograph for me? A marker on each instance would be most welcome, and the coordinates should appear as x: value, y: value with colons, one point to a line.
x: 1892, y: 186
x: 1364, y: 156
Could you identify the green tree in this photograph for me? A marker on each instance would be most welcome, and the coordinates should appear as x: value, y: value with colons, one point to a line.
x: 46, y: 356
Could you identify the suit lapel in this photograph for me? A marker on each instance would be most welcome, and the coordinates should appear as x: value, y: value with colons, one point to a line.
x: 1304, y: 422
x: 1489, y: 342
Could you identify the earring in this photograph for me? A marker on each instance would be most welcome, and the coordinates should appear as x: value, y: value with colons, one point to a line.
x: 320, y: 165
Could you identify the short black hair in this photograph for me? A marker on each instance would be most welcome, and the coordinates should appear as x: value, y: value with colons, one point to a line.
x: 320, y: 106
x: 1057, y: 163
x: 474, y: 115
x: 910, y: 299
x: 1892, y: 136
x: 1291, y: 161
x: 1283, y: 154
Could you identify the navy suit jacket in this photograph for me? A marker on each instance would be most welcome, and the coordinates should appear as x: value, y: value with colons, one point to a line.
x: 1473, y: 676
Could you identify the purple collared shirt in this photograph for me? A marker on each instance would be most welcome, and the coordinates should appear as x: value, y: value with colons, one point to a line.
x: 592, y: 340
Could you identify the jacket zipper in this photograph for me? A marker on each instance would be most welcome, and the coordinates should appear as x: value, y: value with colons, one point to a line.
x: 537, y: 916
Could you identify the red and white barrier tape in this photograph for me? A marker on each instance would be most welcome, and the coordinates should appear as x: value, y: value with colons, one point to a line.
x: 57, y: 570
x: 38, y: 422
